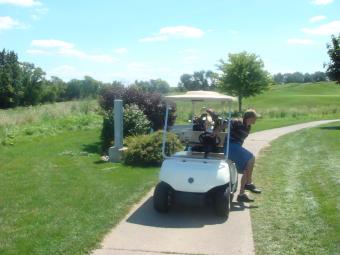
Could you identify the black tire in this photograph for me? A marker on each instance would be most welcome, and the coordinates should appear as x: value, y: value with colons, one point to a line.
x: 222, y: 202
x: 161, y: 196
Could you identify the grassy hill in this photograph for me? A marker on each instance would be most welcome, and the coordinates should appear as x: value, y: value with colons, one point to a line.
x: 284, y: 104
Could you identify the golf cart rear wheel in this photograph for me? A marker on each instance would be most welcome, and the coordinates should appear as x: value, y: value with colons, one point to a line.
x: 161, y: 197
x: 222, y: 202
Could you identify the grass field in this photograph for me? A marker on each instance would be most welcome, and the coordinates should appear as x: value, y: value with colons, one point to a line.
x: 57, y: 197
x: 49, y: 119
x: 299, y: 210
x: 293, y: 103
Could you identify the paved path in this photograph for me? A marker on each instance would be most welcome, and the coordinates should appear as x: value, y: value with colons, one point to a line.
x: 190, y: 231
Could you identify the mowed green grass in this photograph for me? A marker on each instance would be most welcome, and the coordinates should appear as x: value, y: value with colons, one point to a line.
x: 299, y: 210
x: 283, y: 104
x: 57, y: 197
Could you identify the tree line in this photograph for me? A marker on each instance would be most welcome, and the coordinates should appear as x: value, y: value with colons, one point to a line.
x: 24, y: 84
x: 298, y: 77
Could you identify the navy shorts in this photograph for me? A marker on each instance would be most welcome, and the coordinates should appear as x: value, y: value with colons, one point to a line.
x: 239, y: 155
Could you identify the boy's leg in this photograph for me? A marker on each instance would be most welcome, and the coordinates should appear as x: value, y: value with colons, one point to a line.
x: 249, y: 185
x: 244, y: 180
x: 249, y: 168
x: 242, y: 197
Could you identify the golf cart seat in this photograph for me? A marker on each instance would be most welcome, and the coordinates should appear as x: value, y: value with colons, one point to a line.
x: 196, y: 141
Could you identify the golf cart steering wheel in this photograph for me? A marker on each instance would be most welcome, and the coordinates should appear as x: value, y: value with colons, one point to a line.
x: 206, y: 137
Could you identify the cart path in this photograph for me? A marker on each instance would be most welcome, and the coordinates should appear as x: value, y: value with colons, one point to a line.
x: 190, y: 231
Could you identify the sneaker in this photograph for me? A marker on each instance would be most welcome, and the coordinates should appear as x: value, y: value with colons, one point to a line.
x: 244, y: 198
x: 251, y: 187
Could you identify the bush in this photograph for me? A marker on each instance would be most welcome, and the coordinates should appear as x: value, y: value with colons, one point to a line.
x: 152, y: 104
x: 134, y: 123
x: 146, y: 150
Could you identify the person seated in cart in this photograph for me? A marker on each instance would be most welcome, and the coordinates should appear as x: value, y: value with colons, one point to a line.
x: 244, y: 159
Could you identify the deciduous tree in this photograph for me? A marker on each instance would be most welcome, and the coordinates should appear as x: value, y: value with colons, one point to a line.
x: 333, y: 67
x: 243, y: 76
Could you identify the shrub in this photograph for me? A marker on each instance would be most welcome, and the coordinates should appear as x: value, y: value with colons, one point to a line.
x: 146, y: 150
x: 134, y: 123
x: 152, y: 104
x: 107, y: 133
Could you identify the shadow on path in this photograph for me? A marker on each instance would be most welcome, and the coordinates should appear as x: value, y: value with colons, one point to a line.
x: 180, y: 216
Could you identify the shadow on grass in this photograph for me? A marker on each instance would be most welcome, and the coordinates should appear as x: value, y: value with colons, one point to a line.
x: 180, y: 216
x: 94, y: 148
x: 331, y: 128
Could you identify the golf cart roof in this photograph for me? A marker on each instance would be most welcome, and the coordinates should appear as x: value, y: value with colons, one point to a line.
x: 200, y: 95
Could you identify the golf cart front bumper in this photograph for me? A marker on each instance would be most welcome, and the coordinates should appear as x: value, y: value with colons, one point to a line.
x: 194, y: 198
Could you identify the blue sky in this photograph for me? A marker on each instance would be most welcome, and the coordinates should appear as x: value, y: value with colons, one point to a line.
x: 128, y: 40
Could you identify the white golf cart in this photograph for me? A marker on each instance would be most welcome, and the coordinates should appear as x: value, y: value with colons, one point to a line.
x: 197, y: 176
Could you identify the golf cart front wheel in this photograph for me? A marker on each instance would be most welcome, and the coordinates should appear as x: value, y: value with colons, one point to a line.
x: 222, y: 202
x: 161, y: 197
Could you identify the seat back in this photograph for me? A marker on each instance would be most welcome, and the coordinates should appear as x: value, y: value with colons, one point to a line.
x: 196, y: 134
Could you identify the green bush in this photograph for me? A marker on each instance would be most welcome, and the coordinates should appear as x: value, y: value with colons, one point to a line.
x: 146, y: 150
x: 134, y: 123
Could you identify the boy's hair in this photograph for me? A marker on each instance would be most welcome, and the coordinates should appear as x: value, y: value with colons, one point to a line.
x: 250, y: 113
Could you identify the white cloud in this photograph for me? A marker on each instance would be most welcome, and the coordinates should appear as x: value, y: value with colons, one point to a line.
x: 7, y: 23
x: 39, y: 13
x: 23, y: 3
x: 82, y: 55
x: 167, y: 33
x: 68, y: 72
x: 326, y: 29
x: 317, y: 18
x: 154, y: 38
x: 121, y: 50
x: 182, y: 31
x: 299, y: 41
x: 58, y: 47
x: 37, y: 52
x: 51, y: 43
x: 322, y: 2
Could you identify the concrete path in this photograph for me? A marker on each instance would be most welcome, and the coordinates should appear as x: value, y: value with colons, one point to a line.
x: 190, y: 231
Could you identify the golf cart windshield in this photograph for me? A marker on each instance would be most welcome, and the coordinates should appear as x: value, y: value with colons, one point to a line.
x: 198, y: 96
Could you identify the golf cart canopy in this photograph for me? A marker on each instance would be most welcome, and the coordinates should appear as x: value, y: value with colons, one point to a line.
x: 201, y: 95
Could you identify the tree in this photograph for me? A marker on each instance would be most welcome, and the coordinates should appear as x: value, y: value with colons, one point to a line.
x: 333, y: 67
x: 151, y: 86
x: 32, y: 82
x: 298, y: 77
x: 202, y: 80
x: 243, y: 76
x: 278, y: 78
x: 319, y: 76
x: 307, y: 77
x: 10, y: 79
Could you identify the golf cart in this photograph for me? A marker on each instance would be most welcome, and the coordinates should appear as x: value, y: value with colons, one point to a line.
x: 197, y: 175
